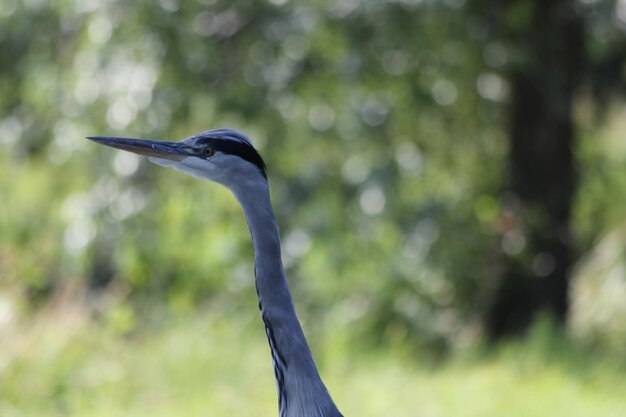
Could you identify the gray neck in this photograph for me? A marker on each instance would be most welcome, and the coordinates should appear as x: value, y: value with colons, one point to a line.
x: 301, y: 392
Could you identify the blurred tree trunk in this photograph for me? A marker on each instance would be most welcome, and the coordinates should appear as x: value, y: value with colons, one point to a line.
x: 541, y: 166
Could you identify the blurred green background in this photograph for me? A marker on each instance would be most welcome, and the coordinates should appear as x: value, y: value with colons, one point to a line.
x: 449, y: 177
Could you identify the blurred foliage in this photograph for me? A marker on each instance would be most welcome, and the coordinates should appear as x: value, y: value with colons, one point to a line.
x: 83, y: 369
x: 381, y: 124
x: 598, y: 312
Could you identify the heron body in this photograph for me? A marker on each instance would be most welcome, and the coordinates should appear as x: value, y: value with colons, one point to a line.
x: 227, y: 157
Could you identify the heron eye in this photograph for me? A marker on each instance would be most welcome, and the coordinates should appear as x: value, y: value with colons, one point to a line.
x: 208, y: 152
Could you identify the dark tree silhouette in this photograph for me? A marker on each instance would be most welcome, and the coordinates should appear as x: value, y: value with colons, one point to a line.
x: 541, y: 165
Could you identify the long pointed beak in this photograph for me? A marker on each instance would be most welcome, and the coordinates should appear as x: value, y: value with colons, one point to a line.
x: 175, y: 151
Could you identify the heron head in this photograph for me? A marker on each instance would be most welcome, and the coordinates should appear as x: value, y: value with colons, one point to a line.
x: 225, y: 156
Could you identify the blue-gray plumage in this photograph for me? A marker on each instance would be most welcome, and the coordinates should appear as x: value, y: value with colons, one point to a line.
x: 227, y: 157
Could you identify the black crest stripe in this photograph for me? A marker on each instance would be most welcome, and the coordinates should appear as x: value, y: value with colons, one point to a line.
x: 240, y: 149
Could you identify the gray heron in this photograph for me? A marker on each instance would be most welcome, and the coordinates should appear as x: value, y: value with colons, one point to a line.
x: 227, y: 157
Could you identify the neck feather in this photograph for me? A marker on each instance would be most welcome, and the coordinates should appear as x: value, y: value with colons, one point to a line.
x: 301, y: 391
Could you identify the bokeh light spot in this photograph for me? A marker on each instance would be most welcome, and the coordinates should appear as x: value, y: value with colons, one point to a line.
x: 372, y: 200
x: 321, y: 117
x: 513, y: 242
x: 100, y: 29
x: 491, y: 87
x: 125, y: 163
x: 444, y: 92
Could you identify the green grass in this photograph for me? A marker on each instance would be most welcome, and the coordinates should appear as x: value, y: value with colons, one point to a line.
x: 60, y: 364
